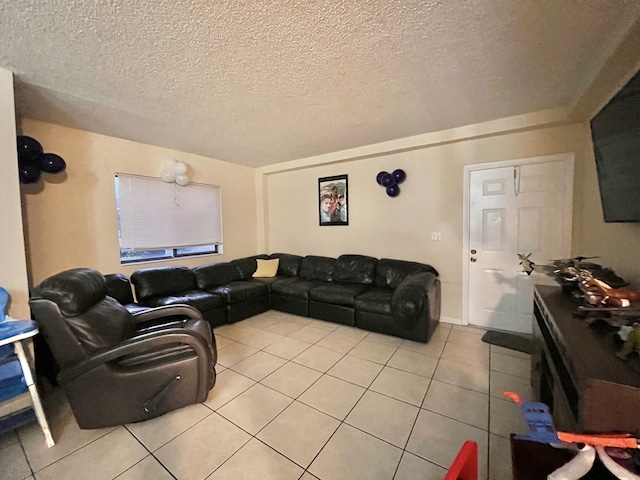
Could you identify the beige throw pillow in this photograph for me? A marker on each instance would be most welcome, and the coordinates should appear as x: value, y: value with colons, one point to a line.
x: 267, y: 268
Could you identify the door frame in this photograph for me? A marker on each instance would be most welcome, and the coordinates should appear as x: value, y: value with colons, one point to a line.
x: 569, y: 161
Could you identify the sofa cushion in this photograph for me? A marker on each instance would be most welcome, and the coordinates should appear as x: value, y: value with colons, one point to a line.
x: 209, y: 277
x: 241, y: 291
x: 162, y: 281
x: 338, y: 293
x: 289, y: 265
x: 355, y: 269
x: 314, y: 267
x: 389, y: 273
x: 266, y: 268
x: 203, y: 301
x: 247, y: 266
x: 295, y: 287
x: 375, y: 300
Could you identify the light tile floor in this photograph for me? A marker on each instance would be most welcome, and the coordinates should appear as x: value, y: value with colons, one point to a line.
x: 298, y: 398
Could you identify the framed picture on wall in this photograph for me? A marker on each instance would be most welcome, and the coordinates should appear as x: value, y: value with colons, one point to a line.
x: 333, y: 199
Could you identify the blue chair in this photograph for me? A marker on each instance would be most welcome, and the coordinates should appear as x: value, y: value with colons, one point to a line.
x: 15, y: 372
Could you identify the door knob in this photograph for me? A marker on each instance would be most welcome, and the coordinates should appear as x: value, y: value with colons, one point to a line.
x: 474, y: 259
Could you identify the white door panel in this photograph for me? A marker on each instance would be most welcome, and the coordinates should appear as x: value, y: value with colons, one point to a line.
x: 513, y: 209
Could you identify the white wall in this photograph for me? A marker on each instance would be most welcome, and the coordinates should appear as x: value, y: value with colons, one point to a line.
x: 431, y: 200
x: 71, y: 217
x: 13, y: 266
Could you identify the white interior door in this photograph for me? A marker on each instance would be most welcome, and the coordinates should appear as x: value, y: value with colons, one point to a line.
x: 520, y: 208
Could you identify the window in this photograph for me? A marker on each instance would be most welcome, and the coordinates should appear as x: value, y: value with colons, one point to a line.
x: 159, y: 220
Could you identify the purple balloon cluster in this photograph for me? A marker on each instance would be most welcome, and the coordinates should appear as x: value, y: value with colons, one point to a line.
x: 32, y: 161
x: 391, y: 181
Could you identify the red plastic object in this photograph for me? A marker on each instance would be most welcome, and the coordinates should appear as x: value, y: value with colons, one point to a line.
x: 465, y: 466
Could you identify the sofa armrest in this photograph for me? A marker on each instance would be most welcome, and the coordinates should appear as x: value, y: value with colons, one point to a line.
x: 411, y: 298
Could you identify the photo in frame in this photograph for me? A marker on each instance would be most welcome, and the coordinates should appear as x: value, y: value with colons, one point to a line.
x: 333, y: 200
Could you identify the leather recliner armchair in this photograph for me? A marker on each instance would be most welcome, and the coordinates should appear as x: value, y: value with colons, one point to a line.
x: 117, y: 367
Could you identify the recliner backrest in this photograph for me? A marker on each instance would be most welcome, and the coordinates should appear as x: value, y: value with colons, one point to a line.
x: 289, y: 264
x: 162, y: 281
x: 314, y: 267
x: 355, y: 269
x: 119, y: 287
x: 247, y: 266
x: 77, y: 317
x: 389, y: 273
x: 212, y: 276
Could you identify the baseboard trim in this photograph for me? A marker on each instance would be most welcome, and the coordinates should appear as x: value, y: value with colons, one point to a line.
x: 454, y: 321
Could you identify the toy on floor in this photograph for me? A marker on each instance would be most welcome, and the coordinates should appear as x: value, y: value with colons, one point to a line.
x: 542, y: 430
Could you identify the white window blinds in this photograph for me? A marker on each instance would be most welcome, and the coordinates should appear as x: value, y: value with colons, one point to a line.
x: 155, y: 214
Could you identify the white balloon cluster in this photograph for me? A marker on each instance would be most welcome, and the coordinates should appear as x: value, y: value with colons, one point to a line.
x: 174, y: 171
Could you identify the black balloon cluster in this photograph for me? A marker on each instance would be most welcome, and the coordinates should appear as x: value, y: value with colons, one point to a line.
x: 391, y: 181
x: 32, y: 161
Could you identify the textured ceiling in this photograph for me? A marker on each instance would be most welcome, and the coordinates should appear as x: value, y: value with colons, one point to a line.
x: 261, y: 82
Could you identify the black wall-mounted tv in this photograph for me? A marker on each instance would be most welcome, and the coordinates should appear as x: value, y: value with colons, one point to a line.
x: 615, y: 131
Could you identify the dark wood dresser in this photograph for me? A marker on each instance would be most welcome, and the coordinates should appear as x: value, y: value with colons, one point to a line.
x: 575, y: 371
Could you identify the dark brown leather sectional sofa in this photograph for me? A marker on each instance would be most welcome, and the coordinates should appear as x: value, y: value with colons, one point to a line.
x: 394, y: 297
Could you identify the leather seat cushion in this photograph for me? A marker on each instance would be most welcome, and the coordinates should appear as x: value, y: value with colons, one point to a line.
x: 338, y: 294
x: 203, y: 301
x: 237, y: 292
x: 295, y: 287
x: 376, y: 300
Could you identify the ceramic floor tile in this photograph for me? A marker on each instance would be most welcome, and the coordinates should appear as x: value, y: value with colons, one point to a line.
x: 339, y: 341
x: 157, y: 431
x: 413, y: 467
x: 413, y: 362
x: 505, y: 418
x: 8, y: 438
x: 351, y: 331
x: 462, y: 375
x: 441, y: 333
x: 285, y: 327
x: 256, y: 407
x: 500, y: 382
x: 402, y: 385
x: 476, y: 356
x: 384, y: 339
x: 354, y: 454
x: 236, y: 331
x: 466, y: 338
x: 258, y: 365
x: 196, y: 453
x: 292, y: 379
x: 91, y: 462
x: 469, y: 329
x: 499, y: 457
x: 146, y: 469
x: 263, y: 321
x: 332, y: 396
x: 64, y: 428
x: 508, y: 351
x: 318, y: 358
x: 287, y: 348
x: 299, y: 432
x: 261, y: 339
x: 330, y: 326
x: 373, y: 414
x: 310, y: 334
x: 372, y: 351
x: 229, y: 385
x: 433, y: 347
x: 234, y: 353
x: 222, y: 342
x: 13, y: 462
x: 355, y: 370
x: 255, y: 459
x: 438, y: 439
x: 308, y: 476
x: 518, y: 366
x: 458, y: 403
